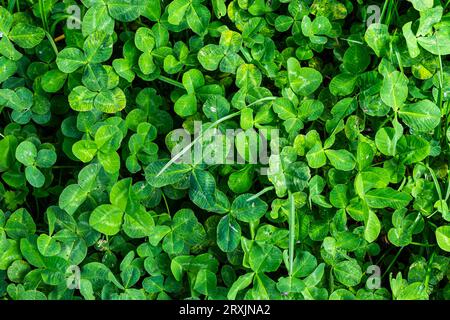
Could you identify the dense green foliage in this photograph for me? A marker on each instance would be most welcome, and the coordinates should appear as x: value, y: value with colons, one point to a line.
x: 355, y: 205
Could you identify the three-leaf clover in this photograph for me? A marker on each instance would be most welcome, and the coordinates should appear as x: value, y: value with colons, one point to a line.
x: 34, y: 158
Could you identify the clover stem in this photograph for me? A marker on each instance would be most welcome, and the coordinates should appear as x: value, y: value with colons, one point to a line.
x: 388, y: 3
x: 402, y: 184
x: 397, y: 55
x: 200, y: 136
x: 447, y: 119
x: 447, y: 194
x: 331, y: 279
x: 261, y: 100
x: 401, y: 249
x: 257, y: 195
x: 171, y: 81
x: 253, y: 226
x: 435, y: 181
x: 422, y: 244
x: 291, y: 232
x: 432, y: 225
x: 165, y: 202
x: 52, y: 43
x: 189, y: 146
x: 392, y: 262
x: 383, y: 11
x: 63, y: 18
x: 43, y: 15
x: 383, y: 256
x: 11, y: 5
x: 441, y: 80
x: 428, y: 272
x: 351, y: 41
x: 434, y: 212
